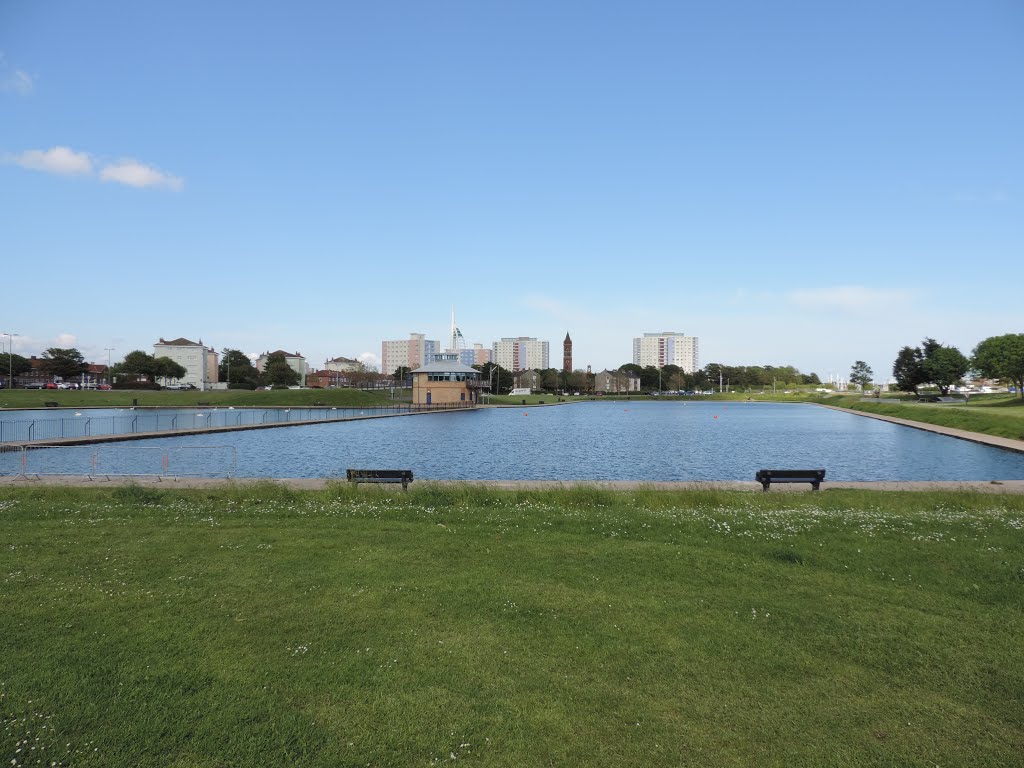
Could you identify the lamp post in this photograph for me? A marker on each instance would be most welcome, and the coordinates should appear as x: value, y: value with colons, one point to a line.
x: 10, y: 359
x: 227, y: 361
x: 108, y: 351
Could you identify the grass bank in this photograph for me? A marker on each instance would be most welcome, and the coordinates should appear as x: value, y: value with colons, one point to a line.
x: 1001, y: 417
x: 30, y: 398
x: 259, y: 626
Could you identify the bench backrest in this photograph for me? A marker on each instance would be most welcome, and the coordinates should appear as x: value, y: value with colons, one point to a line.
x: 396, y: 474
x: 789, y: 474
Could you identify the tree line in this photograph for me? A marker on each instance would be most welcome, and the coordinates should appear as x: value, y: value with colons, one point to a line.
x: 944, y: 366
x: 668, y: 378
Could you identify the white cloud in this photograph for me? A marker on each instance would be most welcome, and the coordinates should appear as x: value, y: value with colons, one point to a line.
x: 370, y: 360
x: 14, y: 80
x: 65, y: 340
x: 851, y: 298
x: 60, y: 160
x: 135, y: 174
x: 19, y: 81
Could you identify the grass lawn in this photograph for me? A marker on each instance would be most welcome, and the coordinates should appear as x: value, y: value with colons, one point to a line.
x: 1002, y: 416
x: 264, y: 627
x: 35, y: 398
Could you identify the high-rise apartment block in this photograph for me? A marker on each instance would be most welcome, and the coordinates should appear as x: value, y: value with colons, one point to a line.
x: 414, y: 352
x: 666, y: 348
x: 520, y: 354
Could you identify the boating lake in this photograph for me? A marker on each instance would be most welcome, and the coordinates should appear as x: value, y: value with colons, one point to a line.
x: 600, y: 440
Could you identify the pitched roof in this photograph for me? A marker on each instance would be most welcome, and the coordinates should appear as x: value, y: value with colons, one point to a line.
x: 341, y: 360
x: 179, y: 342
x: 446, y: 366
x: 282, y: 352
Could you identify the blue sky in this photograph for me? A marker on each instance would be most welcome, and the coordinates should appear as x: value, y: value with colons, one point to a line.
x: 795, y: 183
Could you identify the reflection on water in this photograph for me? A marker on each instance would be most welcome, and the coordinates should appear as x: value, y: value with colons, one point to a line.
x: 610, y: 440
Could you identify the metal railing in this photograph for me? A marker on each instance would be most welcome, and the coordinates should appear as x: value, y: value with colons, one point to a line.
x: 120, y: 460
x: 137, y: 421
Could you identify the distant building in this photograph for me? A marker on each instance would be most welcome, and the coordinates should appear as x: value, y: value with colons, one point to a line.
x: 517, y: 354
x: 530, y: 379
x: 481, y: 355
x: 199, y: 361
x: 616, y: 381
x: 295, y: 361
x: 328, y: 379
x: 666, y: 348
x: 567, y: 354
x: 445, y: 381
x: 343, y: 365
x: 414, y: 352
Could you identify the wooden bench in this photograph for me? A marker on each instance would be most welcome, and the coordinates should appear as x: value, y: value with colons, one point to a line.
x: 403, y: 476
x: 768, y: 476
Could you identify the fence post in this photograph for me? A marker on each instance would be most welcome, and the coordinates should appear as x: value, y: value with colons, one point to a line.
x: 31, y: 430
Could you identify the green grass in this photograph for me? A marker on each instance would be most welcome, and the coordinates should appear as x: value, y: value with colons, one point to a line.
x: 29, y: 398
x: 999, y: 416
x: 265, y: 627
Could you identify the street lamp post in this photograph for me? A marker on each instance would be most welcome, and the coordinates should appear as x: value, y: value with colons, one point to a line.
x: 108, y: 351
x: 10, y: 359
x: 227, y: 360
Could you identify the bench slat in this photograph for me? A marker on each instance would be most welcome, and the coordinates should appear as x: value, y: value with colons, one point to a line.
x: 768, y: 476
x: 403, y: 476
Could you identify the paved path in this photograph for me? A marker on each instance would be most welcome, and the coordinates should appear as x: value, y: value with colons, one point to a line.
x: 318, y: 484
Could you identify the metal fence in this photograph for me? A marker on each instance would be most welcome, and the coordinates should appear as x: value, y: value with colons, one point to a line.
x: 120, y: 460
x: 85, y: 425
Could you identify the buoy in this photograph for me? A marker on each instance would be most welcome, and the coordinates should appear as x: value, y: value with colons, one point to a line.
x: 716, y: 416
x: 526, y: 414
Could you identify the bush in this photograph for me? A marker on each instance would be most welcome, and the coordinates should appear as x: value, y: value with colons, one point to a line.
x: 241, y: 385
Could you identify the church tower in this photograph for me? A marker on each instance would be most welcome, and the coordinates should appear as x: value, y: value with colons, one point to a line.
x: 567, y: 354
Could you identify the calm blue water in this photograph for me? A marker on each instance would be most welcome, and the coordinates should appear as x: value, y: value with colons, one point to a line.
x: 587, y: 441
x: 55, y: 423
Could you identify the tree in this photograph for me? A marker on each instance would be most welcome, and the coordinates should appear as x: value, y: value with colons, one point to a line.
x: 165, y: 368
x: 907, y: 370
x: 236, y: 368
x: 277, y: 372
x: 861, y: 374
x: 401, y: 374
x: 931, y: 363
x: 14, y: 364
x: 65, y: 363
x: 1002, y: 357
x: 671, y: 377
x: 549, y: 379
x: 136, y: 365
x: 945, y: 366
x: 503, y: 380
